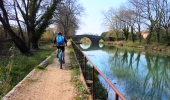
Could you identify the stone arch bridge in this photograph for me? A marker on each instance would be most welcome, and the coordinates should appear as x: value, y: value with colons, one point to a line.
x: 94, y: 38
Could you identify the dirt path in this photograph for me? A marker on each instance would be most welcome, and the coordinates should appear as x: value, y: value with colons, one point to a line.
x: 51, y: 84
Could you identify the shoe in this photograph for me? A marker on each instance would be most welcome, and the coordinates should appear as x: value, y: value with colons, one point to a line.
x: 63, y: 61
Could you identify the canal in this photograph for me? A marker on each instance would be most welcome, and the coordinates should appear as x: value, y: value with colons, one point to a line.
x: 137, y: 74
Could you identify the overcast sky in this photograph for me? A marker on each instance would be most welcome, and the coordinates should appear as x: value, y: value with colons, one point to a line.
x: 92, y: 22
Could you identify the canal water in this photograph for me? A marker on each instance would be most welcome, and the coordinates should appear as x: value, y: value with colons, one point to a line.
x: 137, y: 74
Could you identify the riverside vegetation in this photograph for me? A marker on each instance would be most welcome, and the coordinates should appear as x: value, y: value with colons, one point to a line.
x: 160, y: 47
x: 14, y: 67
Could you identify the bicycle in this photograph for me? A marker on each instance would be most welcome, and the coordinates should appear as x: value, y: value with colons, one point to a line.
x: 60, y: 57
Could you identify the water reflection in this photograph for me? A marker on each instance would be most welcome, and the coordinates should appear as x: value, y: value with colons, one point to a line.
x: 138, y: 75
x: 101, y: 45
x: 85, y: 46
x: 89, y: 46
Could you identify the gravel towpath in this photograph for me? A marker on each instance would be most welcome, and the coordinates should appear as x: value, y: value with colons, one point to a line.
x: 50, y: 84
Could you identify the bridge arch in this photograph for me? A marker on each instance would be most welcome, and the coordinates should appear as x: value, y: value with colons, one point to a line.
x: 94, y: 38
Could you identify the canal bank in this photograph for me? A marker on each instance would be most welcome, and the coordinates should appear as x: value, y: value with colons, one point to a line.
x: 52, y: 83
x: 154, y: 46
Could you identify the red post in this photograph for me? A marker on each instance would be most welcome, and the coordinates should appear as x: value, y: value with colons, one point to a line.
x: 93, y: 83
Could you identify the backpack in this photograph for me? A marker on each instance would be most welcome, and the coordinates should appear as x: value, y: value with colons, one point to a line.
x: 60, y: 40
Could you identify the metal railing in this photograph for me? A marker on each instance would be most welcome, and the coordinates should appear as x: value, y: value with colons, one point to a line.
x: 82, y: 59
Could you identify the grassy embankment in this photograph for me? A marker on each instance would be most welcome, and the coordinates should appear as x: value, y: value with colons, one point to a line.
x: 80, y: 86
x: 81, y: 90
x: 153, y: 46
x: 14, y: 66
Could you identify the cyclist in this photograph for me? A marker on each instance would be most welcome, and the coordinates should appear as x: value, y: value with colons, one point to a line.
x: 61, y: 42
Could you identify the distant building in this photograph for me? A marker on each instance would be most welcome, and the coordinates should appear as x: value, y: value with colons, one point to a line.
x: 144, y: 33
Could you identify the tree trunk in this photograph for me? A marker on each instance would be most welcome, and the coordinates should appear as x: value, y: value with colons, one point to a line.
x: 139, y: 32
x: 5, y: 22
x: 35, y: 44
x: 167, y: 35
x: 148, y: 41
x: 158, y: 30
x: 18, y: 42
x: 133, y: 36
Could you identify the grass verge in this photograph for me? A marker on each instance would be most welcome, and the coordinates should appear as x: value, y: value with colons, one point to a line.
x: 15, y: 66
x: 81, y: 91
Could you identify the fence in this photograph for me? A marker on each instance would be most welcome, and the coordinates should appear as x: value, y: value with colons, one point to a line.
x: 90, y: 79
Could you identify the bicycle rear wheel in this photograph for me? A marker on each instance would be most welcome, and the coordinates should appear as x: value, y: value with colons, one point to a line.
x: 60, y: 60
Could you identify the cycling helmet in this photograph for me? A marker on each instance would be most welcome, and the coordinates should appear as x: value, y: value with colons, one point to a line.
x: 59, y: 33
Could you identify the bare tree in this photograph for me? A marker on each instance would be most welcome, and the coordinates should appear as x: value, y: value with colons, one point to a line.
x: 165, y: 17
x: 156, y: 14
x: 138, y: 20
x: 111, y: 21
x: 149, y: 12
x: 66, y: 16
x: 127, y: 17
x: 109, y: 17
x: 4, y: 18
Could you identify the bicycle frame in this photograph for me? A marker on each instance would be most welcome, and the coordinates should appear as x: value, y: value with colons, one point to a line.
x: 60, y: 57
